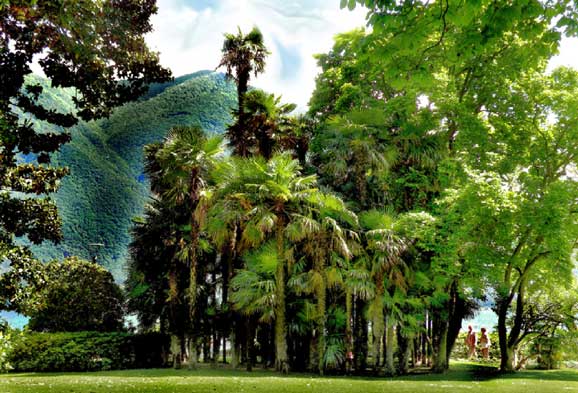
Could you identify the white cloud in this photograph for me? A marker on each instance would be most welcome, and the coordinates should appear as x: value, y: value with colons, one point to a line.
x: 189, y: 36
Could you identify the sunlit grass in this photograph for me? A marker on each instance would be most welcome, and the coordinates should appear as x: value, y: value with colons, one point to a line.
x: 461, y: 378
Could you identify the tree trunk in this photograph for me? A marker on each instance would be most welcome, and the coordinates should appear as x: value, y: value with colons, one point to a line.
x: 240, y: 139
x: 404, y: 345
x: 389, y: 347
x: 348, y: 331
x: 508, y: 343
x: 281, y: 359
x: 194, y: 188
x: 235, y: 354
x: 176, y: 351
x: 227, y: 266
x: 224, y: 349
x: 377, y: 320
x: 440, y: 342
x: 456, y: 315
x: 193, y: 355
x: 320, y: 291
x: 360, y: 339
x: 249, y: 344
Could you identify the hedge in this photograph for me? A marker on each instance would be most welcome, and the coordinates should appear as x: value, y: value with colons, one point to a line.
x: 86, y: 351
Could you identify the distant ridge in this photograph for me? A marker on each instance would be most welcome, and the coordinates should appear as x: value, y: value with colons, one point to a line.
x: 106, y: 187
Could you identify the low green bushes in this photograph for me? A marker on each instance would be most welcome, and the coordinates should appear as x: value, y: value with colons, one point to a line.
x: 86, y: 351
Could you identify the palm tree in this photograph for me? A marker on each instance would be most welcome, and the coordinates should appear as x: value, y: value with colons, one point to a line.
x: 296, y: 136
x: 269, y: 200
x: 384, y: 248
x: 267, y: 119
x: 353, y: 156
x: 242, y: 55
x: 154, y: 290
x: 183, y: 163
x: 327, y: 245
x: 358, y: 285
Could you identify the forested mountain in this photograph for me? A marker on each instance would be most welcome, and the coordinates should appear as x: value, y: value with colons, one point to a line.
x: 106, y: 188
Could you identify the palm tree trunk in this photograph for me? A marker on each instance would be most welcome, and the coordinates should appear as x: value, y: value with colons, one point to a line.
x: 360, y: 333
x: 320, y: 292
x: 249, y: 343
x: 193, y: 355
x: 281, y: 359
x: 241, y: 147
x: 378, y: 327
x: 349, y: 331
x: 193, y: 248
x: 404, y: 347
x: 389, y: 333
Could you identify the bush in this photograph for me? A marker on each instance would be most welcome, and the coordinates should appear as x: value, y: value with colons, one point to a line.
x: 78, y: 296
x: 86, y: 351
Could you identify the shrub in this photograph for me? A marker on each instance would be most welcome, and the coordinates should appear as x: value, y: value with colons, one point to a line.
x: 86, y: 351
x: 78, y: 296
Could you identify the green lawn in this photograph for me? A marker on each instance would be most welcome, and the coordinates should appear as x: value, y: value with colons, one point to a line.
x: 462, y: 378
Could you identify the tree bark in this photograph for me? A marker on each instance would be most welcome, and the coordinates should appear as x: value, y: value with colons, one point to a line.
x: 321, y: 311
x: 249, y: 344
x: 377, y: 320
x: 404, y: 346
x: 508, y: 343
x: 348, y: 331
x: 281, y: 359
x: 360, y: 339
x: 389, y: 347
x: 440, y: 341
x: 193, y: 355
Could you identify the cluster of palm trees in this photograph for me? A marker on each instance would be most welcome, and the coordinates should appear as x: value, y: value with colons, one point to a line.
x: 254, y: 255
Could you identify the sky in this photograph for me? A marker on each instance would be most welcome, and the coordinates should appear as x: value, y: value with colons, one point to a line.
x: 189, y: 35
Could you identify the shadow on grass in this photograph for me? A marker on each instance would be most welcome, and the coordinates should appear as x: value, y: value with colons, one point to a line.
x: 480, y: 372
x: 461, y: 372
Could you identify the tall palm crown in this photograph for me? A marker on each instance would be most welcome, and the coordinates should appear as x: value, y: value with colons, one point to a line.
x: 267, y: 119
x: 242, y: 55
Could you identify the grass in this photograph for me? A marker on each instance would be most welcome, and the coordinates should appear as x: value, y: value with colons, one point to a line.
x: 461, y: 378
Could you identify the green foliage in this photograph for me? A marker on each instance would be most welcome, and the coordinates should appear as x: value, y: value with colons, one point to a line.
x: 79, y: 46
x: 86, y: 351
x: 5, y: 346
x: 77, y: 296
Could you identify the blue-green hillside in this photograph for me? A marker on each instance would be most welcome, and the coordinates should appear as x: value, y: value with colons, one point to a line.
x: 106, y: 187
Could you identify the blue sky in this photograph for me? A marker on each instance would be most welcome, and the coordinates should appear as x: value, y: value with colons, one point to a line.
x: 189, y: 35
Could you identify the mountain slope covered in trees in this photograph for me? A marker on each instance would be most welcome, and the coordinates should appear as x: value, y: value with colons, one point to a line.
x: 106, y: 188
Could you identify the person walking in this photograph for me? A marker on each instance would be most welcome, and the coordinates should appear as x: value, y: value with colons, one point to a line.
x: 485, y: 344
x: 471, y: 342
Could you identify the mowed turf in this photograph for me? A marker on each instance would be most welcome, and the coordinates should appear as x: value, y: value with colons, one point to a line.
x: 461, y: 378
